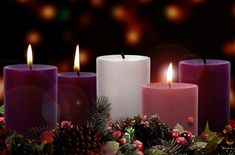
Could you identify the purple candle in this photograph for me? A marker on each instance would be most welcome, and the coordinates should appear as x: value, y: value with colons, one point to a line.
x: 30, y: 96
x: 213, y: 80
x: 76, y: 93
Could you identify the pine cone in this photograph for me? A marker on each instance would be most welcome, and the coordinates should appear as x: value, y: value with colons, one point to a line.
x: 73, y: 139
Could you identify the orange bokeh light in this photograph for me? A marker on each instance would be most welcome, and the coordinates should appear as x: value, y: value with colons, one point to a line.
x: 133, y: 36
x: 48, y: 12
x: 229, y: 48
x: 97, y: 3
x: 84, y: 56
x: 232, y: 95
x: 174, y: 13
x: 33, y: 37
x: 119, y: 13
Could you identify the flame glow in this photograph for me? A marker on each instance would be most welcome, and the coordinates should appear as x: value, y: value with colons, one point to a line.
x: 76, y: 60
x: 29, y: 56
x: 169, y: 74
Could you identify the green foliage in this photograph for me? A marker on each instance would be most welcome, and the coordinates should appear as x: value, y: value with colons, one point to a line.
x: 99, y: 116
x: 212, y: 141
x: 2, y: 109
x: 179, y: 127
x: 154, y: 152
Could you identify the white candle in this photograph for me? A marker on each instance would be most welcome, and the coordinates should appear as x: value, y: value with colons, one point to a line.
x: 120, y: 79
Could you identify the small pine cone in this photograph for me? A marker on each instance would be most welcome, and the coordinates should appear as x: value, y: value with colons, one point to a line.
x: 71, y: 139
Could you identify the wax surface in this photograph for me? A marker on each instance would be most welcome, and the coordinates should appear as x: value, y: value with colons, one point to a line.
x: 76, y: 95
x: 30, y: 96
x: 173, y: 105
x: 213, y: 80
x: 121, y: 80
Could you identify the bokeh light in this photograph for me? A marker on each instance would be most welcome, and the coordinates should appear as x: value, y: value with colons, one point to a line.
x: 232, y: 96
x: 229, y: 48
x: 48, y: 12
x: 97, y: 3
x: 33, y: 37
x: 84, y: 56
x: 133, y: 36
x: 23, y: 1
x: 198, y: 1
x: 174, y: 13
x: 119, y: 12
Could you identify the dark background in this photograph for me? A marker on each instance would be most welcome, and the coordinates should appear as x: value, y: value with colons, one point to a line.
x: 165, y: 30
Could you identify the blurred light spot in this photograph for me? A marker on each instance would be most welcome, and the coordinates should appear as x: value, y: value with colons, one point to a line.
x: 133, y: 36
x: 174, y: 13
x: 85, y: 20
x: 1, y: 90
x: 233, y: 10
x: 22, y: 1
x: 33, y: 37
x: 119, y: 13
x: 198, y: 1
x: 232, y: 95
x: 64, y: 14
x: 97, y: 3
x: 48, y: 12
x: 229, y: 48
x: 84, y: 56
x: 64, y: 66
x: 145, y: 1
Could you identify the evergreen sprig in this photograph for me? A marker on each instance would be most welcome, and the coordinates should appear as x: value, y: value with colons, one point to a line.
x: 99, y: 116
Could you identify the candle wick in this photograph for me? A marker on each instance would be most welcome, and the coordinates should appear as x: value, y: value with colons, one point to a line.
x: 30, y: 67
x: 204, y: 61
x: 123, y: 55
x: 169, y: 84
x: 78, y: 74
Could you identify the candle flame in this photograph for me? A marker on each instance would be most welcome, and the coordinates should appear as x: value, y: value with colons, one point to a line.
x: 169, y: 74
x: 29, y: 56
x: 76, y: 60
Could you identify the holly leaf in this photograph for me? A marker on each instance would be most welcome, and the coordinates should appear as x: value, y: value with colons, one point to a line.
x: 212, y: 141
x: 179, y: 127
x: 129, y: 134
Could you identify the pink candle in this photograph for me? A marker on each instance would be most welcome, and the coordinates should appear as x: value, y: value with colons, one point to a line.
x: 173, y: 102
x: 30, y: 96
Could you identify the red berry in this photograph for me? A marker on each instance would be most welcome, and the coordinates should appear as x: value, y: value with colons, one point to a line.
x: 47, y: 137
x: 117, y: 133
x: 205, y: 136
x: 122, y: 141
x: 139, y: 145
x: 181, y: 141
x: 187, y: 135
x: 190, y: 119
x: 175, y: 133
x: 2, y: 120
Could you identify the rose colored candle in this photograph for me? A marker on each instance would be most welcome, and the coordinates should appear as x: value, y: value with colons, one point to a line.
x: 120, y: 78
x: 213, y: 80
x: 173, y: 102
x: 30, y: 96
x: 76, y: 93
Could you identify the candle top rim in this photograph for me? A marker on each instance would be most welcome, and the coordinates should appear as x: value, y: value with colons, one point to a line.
x: 165, y: 86
x: 25, y: 67
x: 74, y: 74
x: 209, y: 62
x: 118, y: 58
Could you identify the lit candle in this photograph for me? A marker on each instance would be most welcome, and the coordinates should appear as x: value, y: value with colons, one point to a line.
x: 120, y: 77
x: 213, y: 80
x: 30, y: 95
x: 173, y: 102
x: 76, y: 93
